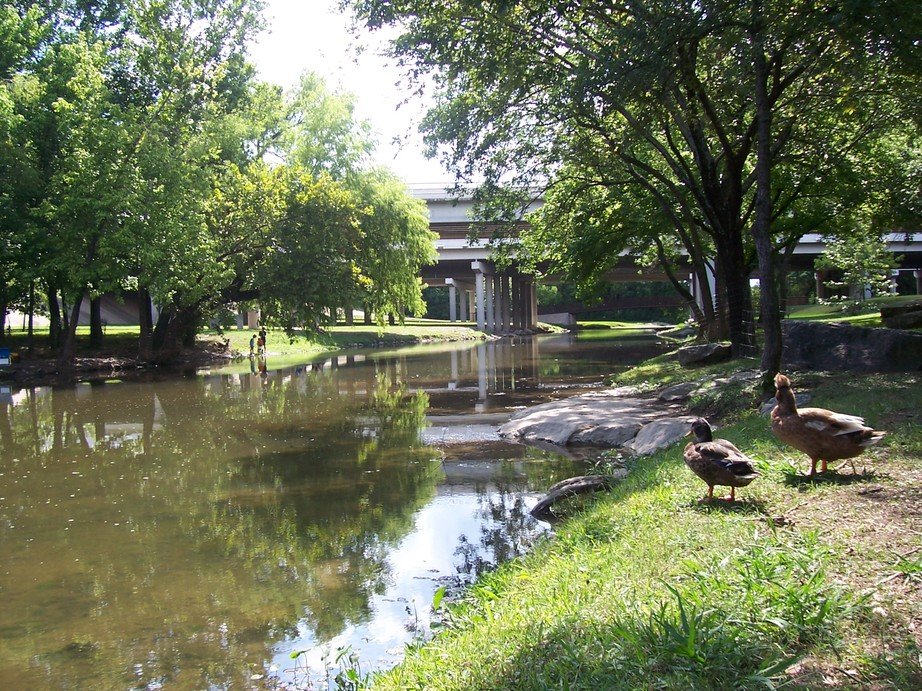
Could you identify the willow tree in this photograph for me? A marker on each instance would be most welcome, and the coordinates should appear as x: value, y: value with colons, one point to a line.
x: 698, y: 104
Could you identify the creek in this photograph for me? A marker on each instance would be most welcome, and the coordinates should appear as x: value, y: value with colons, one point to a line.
x: 195, y: 531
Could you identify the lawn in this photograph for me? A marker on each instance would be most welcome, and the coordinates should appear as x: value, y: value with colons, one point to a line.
x: 812, y: 582
x: 866, y: 313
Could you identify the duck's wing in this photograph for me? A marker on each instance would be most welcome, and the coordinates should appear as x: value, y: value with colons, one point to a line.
x: 832, y: 423
x: 722, y: 453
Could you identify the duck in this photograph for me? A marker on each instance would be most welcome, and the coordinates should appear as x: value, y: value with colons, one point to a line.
x: 717, y: 461
x: 823, y: 435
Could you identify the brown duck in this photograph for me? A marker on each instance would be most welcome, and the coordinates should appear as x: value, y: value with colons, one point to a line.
x: 821, y: 434
x: 717, y: 461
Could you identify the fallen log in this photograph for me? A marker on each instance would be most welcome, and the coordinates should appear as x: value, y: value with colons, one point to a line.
x: 582, y: 484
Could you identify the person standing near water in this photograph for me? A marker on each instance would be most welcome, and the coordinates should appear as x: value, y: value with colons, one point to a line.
x: 253, y: 344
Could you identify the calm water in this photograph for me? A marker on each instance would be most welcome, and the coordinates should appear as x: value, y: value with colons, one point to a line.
x: 193, y: 533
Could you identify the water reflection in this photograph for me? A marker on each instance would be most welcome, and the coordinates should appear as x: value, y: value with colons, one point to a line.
x: 191, y: 532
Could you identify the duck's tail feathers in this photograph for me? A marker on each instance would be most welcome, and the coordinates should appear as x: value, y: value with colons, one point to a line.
x: 874, y: 437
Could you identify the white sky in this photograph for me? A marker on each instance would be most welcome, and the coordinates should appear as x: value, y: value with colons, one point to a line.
x: 312, y: 35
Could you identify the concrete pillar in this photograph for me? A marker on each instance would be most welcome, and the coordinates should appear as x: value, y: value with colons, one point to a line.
x: 918, y: 274
x: 452, y: 302
x: 463, y: 304
x: 480, y: 300
x: 240, y: 321
x: 516, y: 302
x: 894, y: 277
x: 506, y: 296
x: 490, y: 316
x: 498, y: 303
x: 533, y: 301
x: 821, y: 293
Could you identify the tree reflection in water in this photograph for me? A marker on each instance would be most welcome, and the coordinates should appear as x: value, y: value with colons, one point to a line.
x: 186, y: 532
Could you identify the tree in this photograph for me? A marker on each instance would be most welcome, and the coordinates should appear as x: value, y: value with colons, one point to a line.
x: 397, y: 243
x: 710, y: 108
x: 864, y: 262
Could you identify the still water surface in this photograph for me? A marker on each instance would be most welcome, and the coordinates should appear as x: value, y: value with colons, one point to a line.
x: 194, y: 532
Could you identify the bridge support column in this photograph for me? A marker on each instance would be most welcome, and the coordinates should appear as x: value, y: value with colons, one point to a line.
x: 480, y: 300
x: 463, y: 304
x: 821, y: 293
x: 490, y: 314
x: 918, y: 274
x: 894, y: 278
x: 483, y: 298
x: 452, y: 301
x: 531, y: 303
x: 506, y: 291
x: 515, y: 303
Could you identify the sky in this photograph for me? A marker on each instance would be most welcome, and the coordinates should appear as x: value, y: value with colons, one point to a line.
x: 312, y: 35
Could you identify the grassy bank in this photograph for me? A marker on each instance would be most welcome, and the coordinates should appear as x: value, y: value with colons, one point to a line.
x: 813, y: 582
x: 866, y: 313
x: 123, y: 340
x: 346, y: 337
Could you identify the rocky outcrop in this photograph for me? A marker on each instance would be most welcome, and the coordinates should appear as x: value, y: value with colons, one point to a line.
x: 658, y: 435
x: 706, y: 354
x: 600, y: 419
x: 907, y: 316
x: 837, y: 347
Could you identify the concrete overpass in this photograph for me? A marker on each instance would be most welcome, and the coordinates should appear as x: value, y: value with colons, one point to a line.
x: 504, y: 300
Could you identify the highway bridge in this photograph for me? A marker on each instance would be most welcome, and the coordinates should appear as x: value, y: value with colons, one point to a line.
x: 504, y: 301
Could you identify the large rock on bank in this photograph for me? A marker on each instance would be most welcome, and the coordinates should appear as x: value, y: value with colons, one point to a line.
x: 907, y: 316
x: 600, y: 419
x: 841, y: 347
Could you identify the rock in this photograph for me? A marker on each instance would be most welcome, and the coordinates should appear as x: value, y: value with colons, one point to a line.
x: 587, y: 419
x: 625, y: 391
x: 679, y: 392
x: 811, y: 345
x: 583, y: 484
x: 902, y: 316
x: 801, y: 399
x: 608, y: 434
x: 659, y: 434
x: 745, y: 375
x: 705, y: 354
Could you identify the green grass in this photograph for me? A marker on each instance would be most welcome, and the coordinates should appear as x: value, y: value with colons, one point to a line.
x: 348, y: 337
x: 866, y: 313
x: 122, y: 340
x: 648, y: 588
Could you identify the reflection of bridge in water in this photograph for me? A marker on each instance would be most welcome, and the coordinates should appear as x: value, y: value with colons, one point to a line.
x: 470, y: 389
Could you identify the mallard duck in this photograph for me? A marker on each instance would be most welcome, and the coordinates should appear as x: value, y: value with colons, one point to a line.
x: 821, y: 434
x: 717, y: 461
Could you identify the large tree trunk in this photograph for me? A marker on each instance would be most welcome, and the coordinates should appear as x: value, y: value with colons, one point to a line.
x: 68, y: 347
x: 146, y: 320
x: 30, y: 335
x: 55, y: 330
x: 96, y: 334
x: 761, y: 226
x: 175, y: 328
x: 3, y: 307
x: 738, y: 294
